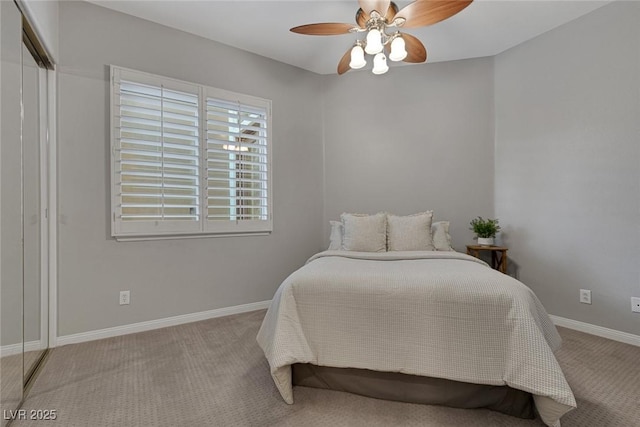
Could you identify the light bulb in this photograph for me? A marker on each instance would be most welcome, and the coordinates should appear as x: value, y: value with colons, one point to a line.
x: 374, y: 42
x: 380, y: 64
x: 398, y: 51
x: 357, y: 58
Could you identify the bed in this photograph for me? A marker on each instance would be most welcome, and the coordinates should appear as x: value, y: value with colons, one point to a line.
x: 431, y: 314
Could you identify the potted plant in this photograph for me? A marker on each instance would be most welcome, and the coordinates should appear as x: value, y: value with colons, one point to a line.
x: 485, y: 230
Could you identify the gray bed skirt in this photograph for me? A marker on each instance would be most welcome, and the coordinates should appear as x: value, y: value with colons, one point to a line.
x: 415, y: 389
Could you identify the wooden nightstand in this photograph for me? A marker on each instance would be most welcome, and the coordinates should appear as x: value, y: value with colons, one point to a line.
x: 498, y: 255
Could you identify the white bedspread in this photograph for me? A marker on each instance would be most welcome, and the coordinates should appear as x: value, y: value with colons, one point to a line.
x: 437, y: 314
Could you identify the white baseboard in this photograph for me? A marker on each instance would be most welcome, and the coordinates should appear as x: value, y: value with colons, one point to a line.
x: 160, y: 323
x: 600, y: 331
x: 588, y: 328
x: 11, y: 349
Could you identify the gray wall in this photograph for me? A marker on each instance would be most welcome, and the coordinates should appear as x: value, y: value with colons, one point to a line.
x: 565, y: 148
x: 416, y: 138
x: 567, y: 107
x: 172, y: 277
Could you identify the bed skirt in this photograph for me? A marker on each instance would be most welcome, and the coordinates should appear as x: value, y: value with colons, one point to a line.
x: 415, y: 389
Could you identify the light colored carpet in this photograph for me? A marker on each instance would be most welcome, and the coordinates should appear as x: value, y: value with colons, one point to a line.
x: 12, y: 370
x: 11, y: 381
x: 31, y: 358
x: 212, y: 373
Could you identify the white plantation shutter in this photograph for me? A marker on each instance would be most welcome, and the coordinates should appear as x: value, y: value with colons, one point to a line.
x: 237, y: 156
x: 185, y: 162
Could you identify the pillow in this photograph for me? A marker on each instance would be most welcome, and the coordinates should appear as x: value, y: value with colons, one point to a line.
x: 335, y: 238
x: 441, y: 237
x: 410, y: 233
x: 364, y: 233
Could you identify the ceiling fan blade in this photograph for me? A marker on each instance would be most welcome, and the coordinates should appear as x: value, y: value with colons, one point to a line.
x: 379, y: 6
x: 324, y: 29
x: 416, y: 51
x: 391, y: 12
x: 428, y: 12
x: 361, y: 18
x: 343, y: 65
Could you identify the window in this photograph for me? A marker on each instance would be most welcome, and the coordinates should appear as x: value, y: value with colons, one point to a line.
x: 187, y: 159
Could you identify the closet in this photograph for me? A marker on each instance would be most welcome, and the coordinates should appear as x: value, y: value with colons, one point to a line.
x: 24, y: 299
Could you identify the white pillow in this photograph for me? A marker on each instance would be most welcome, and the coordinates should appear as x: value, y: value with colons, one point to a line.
x: 364, y: 233
x: 441, y: 237
x: 335, y: 238
x: 410, y: 233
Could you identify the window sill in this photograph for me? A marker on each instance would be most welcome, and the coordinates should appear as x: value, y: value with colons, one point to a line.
x: 188, y: 236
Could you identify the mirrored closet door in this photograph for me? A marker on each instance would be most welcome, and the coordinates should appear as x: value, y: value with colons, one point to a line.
x: 11, y: 262
x: 24, y: 300
x: 33, y: 116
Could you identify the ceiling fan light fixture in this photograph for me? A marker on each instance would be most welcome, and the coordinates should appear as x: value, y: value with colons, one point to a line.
x: 374, y: 42
x: 398, y: 50
x: 380, y: 64
x: 376, y: 17
x: 357, y: 57
x: 398, y: 22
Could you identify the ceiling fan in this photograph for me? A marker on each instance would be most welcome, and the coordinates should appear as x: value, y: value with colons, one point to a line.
x: 376, y: 17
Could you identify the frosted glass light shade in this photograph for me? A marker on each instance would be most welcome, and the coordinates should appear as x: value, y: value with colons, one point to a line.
x: 380, y: 64
x: 374, y: 42
x: 357, y: 58
x: 398, y: 51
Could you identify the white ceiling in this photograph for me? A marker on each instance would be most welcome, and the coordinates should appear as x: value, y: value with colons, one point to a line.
x: 485, y: 28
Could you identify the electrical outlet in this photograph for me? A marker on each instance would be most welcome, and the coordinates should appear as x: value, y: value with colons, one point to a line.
x: 585, y: 296
x: 635, y: 304
x: 125, y: 297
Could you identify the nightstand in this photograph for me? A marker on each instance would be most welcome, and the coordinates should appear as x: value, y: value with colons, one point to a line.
x: 498, y: 255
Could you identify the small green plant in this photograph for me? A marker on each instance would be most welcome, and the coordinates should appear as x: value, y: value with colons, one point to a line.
x: 484, y: 228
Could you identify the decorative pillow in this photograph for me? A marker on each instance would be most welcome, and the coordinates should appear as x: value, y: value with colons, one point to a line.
x: 335, y: 238
x: 410, y: 233
x: 364, y: 233
x: 441, y: 237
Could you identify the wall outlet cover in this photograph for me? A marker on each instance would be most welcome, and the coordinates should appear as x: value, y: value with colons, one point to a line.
x: 635, y: 304
x: 585, y: 296
x: 125, y: 297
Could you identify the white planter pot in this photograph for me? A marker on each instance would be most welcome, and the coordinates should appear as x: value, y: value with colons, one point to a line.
x: 485, y: 241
